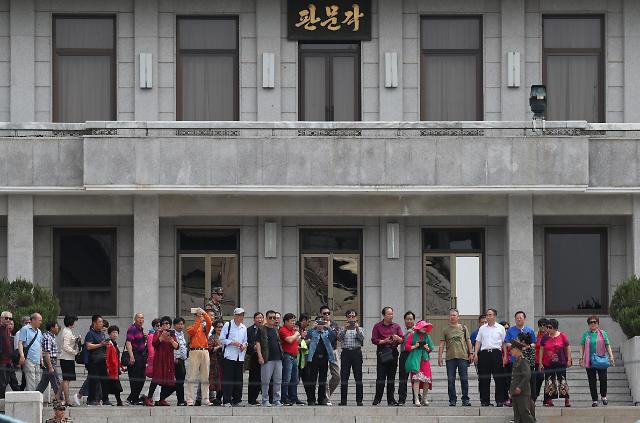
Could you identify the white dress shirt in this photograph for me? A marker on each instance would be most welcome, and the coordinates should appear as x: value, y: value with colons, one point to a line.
x: 233, y: 333
x: 491, y: 337
x: 68, y: 346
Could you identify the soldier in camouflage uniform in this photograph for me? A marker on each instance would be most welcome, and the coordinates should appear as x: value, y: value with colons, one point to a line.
x: 215, y: 304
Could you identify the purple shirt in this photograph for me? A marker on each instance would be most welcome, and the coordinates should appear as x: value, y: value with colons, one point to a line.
x: 135, y: 335
x: 382, y: 331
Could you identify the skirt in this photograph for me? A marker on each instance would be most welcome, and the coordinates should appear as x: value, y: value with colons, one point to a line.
x: 424, y: 375
x: 68, y: 368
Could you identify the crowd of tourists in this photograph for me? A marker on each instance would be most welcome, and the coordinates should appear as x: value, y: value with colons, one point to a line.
x: 204, y: 363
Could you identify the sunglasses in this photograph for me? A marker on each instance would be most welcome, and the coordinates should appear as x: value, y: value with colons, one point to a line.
x: 326, y: 313
x: 156, y: 326
x: 351, y: 315
x: 8, y: 318
x: 549, y: 327
x: 593, y: 322
x: 219, y: 326
x: 271, y: 317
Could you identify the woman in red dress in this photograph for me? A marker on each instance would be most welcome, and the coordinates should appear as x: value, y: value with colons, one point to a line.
x: 164, y: 342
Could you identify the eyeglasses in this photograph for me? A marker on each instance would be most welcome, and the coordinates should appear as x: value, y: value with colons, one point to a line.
x: 593, y: 322
x: 351, y: 315
x: 271, y: 318
x: 218, y: 326
x: 326, y: 313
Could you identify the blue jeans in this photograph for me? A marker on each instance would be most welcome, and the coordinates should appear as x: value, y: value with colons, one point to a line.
x: 461, y: 366
x: 289, y: 378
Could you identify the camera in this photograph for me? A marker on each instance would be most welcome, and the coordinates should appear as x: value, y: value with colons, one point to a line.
x: 320, y: 321
x: 351, y: 324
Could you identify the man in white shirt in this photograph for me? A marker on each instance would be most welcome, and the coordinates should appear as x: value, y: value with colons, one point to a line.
x: 488, y: 356
x: 234, y: 339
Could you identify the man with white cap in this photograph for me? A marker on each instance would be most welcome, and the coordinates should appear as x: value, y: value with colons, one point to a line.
x: 234, y: 339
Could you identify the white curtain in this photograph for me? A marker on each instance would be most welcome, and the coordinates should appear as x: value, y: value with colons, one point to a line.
x: 315, y: 99
x: 84, y: 87
x: 208, y: 87
x: 344, y: 101
x: 449, y: 87
x: 573, y: 87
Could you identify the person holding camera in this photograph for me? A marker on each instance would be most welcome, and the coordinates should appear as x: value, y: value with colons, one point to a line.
x: 198, y: 361
x: 386, y: 336
x: 164, y: 343
x: 351, y: 337
x: 321, y: 340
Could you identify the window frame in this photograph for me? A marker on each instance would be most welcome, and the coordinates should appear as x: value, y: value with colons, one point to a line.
x: 603, y: 231
x: 328, y: 54
x: 599, y: 52
x: 206, y: 254
x: 204, y: 52
x: 56, y: 52
x: 478, y: 53
x: 58, y: 290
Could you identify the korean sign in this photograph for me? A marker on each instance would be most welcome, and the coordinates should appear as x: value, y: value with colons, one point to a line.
x: 327, y: 20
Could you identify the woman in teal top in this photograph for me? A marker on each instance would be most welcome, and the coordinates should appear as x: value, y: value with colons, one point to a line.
x: 420, y: 345
x: 597, y: 343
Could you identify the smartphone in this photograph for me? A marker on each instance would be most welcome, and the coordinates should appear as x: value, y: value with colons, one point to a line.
x: 194, y: 310
x: 320, y: 322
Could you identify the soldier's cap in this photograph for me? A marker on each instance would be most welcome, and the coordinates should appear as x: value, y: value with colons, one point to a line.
x: 217, y: 290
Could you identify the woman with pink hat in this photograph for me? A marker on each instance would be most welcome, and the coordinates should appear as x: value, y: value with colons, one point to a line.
x: 420, y: 345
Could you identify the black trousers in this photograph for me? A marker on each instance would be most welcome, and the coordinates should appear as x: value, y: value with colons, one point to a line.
x: 307, y: 383
x: 490, y: 364
x: 8, y: 378
x: 351, y: 359
x: 539, y: 381
x: 254, y: 379
x: 136, y: 377
x: 319, y: 370
x: 181, y: 372
x: 232, y: 381
x: 403, y: 378
x: 602, y: 375
x: 98, y: 377
x: 506, y: 375
x: 386, y: 373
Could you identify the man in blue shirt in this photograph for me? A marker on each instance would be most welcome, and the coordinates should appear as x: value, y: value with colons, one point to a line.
x: 517, y: 329
x: 482, y: 319
x: 31, y: 352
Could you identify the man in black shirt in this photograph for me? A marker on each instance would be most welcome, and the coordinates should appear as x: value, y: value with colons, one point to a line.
x: 269, y: 353
x: 251, y: 358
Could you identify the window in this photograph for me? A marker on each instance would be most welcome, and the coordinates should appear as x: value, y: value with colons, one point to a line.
x: 329, y: 82
x: 84, y: 274
x: 573, y: 67
x: 451, y: 68
x: 576, y: 271
x: 208, y: 258
x: 207, y: 71
x: 84, y: 68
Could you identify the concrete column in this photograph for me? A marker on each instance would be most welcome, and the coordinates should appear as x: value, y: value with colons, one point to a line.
x: 146, y: 251
x: 268, y: 27
x: 512, y: 23
x: 635, y: 236
x: 390, y: 41
x: 22, y: 40
x: 146, y: 41
x: 392, y: 280
x: 20, y: 237
x: 631, y: 17
x: 520, y: 285
x: 24, y: 406
x: 270, y: 280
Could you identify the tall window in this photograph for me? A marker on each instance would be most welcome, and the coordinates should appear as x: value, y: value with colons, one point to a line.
x: 451, y: 68
x: 207, y: 71
x: 84, y: 273
x: 329, y: 82
x: 573, y: 67
x: 207, y: 259
x: 84, y: 68
x: 576, y: 280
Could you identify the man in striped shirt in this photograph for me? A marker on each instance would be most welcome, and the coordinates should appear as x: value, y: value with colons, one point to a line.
x: 50, y: 360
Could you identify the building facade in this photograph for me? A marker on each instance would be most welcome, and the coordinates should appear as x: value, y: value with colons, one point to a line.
x: 353, y: 153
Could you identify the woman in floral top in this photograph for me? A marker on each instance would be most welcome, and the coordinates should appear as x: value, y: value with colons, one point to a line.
x: 555, y: 358
x: 215, y: 364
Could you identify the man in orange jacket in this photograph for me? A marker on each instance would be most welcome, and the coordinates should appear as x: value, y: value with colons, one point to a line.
x: 198, y: 361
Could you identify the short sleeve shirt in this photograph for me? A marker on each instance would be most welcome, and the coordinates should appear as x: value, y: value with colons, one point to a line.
x: 289, y: 348
x: 135, y: 335
x: 592, y: 339
x: 512, y: 335
x: 455, y: 341
x: 25, y: 335
x: 553, y: 353
x: 491, y: 337
x: 273, y: 341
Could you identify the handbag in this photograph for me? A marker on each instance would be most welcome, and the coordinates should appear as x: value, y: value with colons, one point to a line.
x: 385, y: 355
x: 125, y: 359
x: 600, y: 362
